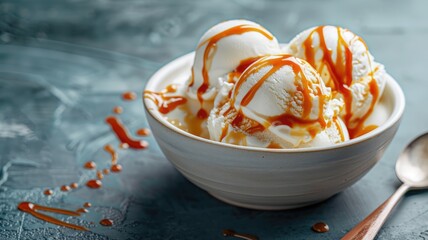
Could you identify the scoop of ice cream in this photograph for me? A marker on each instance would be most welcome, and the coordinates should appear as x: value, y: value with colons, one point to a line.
x: 345, y: 64
x: 279, y: 101
x: 222, y: 49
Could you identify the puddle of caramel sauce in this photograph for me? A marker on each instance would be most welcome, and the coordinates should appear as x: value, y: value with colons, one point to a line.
x: 94, y: 183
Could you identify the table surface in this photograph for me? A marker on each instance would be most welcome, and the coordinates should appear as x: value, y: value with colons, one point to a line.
x: 64, y: 65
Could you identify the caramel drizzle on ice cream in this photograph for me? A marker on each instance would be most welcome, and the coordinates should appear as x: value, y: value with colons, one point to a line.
x: 209, y: 53
x: 277, y: 62
x: 163, y: 100
x: 340, y: 70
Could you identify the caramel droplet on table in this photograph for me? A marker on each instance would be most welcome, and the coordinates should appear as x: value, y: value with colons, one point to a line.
x: 100, y: 175
x: 106, y: 222
x: 129, y: 96
x: 82, y: 210
x: 118, y: 110
x: 94, y: 183
x: 48, y: 192
x: 232, y: 233
x: 320, y: 227
x: 87, y: 205
x: 116, y: 168
x: 74, y: 185
x: 143, y: 132
x: 90, y: 165
x: 65, y: 188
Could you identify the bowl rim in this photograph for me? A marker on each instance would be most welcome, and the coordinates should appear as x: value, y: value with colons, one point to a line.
x: 396, y: 114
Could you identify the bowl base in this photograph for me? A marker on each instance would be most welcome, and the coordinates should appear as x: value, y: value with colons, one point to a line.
x: 261, y: 206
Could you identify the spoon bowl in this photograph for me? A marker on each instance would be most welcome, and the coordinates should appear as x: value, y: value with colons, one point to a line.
x: 412, y: 165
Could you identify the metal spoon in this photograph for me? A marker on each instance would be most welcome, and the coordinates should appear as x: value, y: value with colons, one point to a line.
x: 412, y: 169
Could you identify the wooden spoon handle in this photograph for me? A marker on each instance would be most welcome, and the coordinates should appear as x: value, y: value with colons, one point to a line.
x: 370, y: 226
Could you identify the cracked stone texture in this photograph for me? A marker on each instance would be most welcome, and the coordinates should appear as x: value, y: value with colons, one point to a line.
x: 64, y: 64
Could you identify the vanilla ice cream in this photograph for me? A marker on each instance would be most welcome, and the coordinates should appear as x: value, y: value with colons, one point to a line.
x: 279, y: 101
x: 221, y: 50
x: 345, y: 64
x: 322, y: 88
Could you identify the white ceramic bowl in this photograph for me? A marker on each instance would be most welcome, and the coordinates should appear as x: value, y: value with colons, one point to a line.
x: 262, y: 178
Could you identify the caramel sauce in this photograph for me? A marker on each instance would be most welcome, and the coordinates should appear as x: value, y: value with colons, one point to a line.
x: 100, y: 175
x: 291, y: 121
x: 232, y: 233
x: 165, y: 103
x: 121, y: 132
x: 224, y: 131
x: 209, y: 53
x: 244, y: 64
x: 361, y: 130
x: 34, y: 209
x: 94, y: 183
x: 236, y: 138
x: 65, y: 188
x: 90, y: 165
x: 202, y: 114
x: 143, y: 132
x: 74, y: 185
x: 48, y: 192
x: 109, y: 148
x: 191, y: 123
x: 116, y: 168
x: 171, y: 88
x: 124, y: 146
x: 340, y: 71
x: 177, y: 123
x: 253, y: 125
x: 339, y: 128
x: 106, y: 222
x: 274, y: 145
x: 129, y: 96
x: 118, y: 110
x: 106, y: 171
x: 82, y: 210
x: 87, y: 205
x: 320, y: 227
